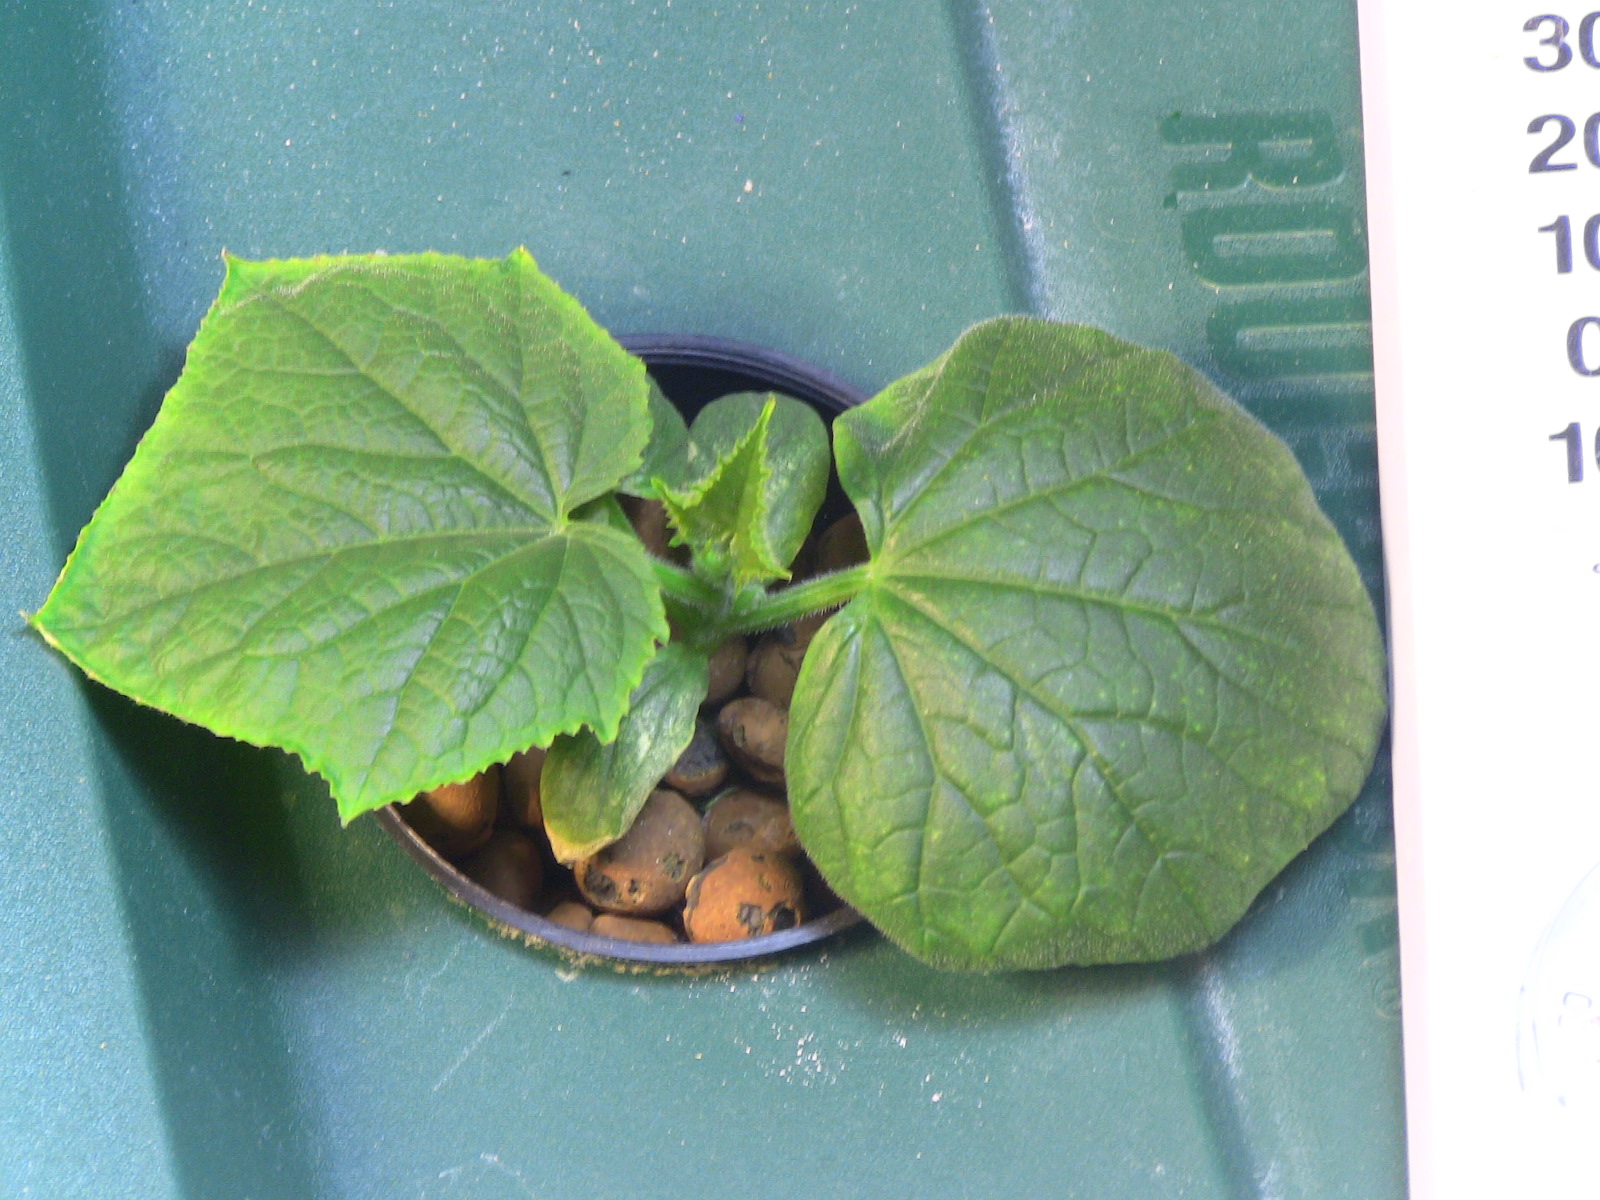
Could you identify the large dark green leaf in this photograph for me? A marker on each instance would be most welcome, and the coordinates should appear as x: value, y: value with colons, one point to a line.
x: 591, y: 792
x: 349, y: 534
x: 1112, y: 668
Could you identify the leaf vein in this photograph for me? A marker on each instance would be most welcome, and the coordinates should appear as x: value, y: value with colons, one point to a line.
x: 399, y: 400
x: 526, y: 534
x: 1114, y: 784
x: 1174, y: 616
x: 987, y: 423
x: 552, y: 597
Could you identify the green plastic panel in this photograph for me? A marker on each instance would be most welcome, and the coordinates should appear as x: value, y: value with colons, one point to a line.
x: 208, y: 990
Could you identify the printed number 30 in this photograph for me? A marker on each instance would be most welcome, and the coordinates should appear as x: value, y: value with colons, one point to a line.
x: 1557, y: 41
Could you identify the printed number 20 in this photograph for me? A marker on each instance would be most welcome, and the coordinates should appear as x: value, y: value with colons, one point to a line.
x: 1565, y: 130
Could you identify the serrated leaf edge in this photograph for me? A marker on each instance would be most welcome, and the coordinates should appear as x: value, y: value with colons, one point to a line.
x: 351, y: 807
x: 750, y: 531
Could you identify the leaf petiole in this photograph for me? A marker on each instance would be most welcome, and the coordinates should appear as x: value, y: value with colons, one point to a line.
x: 715, y: 618
x: 688, y: 589
x: 792, y: 603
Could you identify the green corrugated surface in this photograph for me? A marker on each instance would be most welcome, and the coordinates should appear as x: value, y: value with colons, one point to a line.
x: 211, y: 991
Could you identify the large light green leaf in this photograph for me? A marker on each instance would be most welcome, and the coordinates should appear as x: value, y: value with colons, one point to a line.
x: 591, y: 792
x: 348, y: 531
x: 1111, y: 670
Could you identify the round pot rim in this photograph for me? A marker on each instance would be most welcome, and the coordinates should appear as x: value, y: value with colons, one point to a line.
x: 780, y: 372
x: 617, y: 950
x: 785, y: 372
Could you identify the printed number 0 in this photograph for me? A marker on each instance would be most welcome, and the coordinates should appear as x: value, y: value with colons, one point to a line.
x: 1575, y: 355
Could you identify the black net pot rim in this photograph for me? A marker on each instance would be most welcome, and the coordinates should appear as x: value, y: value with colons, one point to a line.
x: 691, y: 369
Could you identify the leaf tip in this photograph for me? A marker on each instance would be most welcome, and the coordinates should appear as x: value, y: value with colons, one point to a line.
x: 237, y: 274
x: 39, y: 622
x: 351, y: 807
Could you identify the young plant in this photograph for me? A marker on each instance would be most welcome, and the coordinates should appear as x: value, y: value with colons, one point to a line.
x: 1107, y: 671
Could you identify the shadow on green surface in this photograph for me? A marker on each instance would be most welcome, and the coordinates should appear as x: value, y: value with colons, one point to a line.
x: 982, y: 92
x: 200, y: 841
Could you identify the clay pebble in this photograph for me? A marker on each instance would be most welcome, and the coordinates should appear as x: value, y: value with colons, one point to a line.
x: 647, y: 870
x: 702, y: 768
x: 843, y: 544
x: 457, y: 818
x: 631, y: 929
x: 726, y: 670
x: 572, y: 915
x: 755, y: 733
x: 749, y: 820
x: 650, y: 525
x: 743, y: 895
x: 519, y: 789
x: 509, y: 865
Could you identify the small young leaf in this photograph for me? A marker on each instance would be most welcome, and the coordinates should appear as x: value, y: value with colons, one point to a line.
x: 722, y: 516
x: 591, y: 793
x: 1111, y: 669
x: 797, y: 460
x: 349, y: 531
x: 757, y: 473
x: 666, y: 454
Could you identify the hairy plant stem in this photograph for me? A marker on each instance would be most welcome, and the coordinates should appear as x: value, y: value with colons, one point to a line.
x: 687, y: 589
x: 715, y: 617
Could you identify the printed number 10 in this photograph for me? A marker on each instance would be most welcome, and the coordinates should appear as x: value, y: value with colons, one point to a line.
x: 1562, y: 228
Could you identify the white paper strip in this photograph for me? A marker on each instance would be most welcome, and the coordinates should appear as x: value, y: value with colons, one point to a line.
x: 1483, y: 176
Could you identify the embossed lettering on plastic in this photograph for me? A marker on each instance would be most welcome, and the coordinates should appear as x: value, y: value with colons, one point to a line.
x: 1251, y: 224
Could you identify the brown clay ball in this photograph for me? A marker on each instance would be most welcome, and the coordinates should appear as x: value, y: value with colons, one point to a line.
x: 630, y: 929
x: 805, y: 630
x: 702, y: 767
x: 519, y: 789
x: 646, y: 870
x: 755, y: 733
x: 743, y: 895
x: 572, y: 915
x: 726, y: 670
x: 774, y: 664
x: 509, y: 865
x: 844, y: 544
x: 774, y: 667
x: 457, y: 818
x: 649, y: 521
x: 744, y: 819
